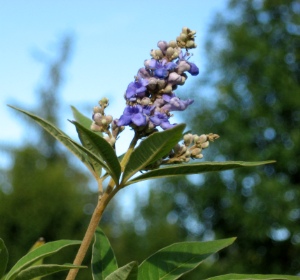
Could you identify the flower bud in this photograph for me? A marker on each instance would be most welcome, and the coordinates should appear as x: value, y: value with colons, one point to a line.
x: 95, y: 127
x: 163, y: 45
x: 97, y: 118
x: 97, y: 109
x: 174, y: 78
x: 103, y: 102
x: 156, y: 54
x: 205, y: 145
x: 145, y: 101
x: 187, y: 138
x: 109, y: 119
x: 195, y: 151
x: 173, y: 44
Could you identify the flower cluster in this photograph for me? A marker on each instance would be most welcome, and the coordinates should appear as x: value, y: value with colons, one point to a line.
x: 105, y: 123
x: 191, y: 148
x: 150, y: 97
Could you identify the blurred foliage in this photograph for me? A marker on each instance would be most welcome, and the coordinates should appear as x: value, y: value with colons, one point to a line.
x: 249, y: 94
x: 43, y: 193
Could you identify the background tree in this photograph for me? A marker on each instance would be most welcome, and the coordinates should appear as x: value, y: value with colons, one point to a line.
x: 45, y: 195
x: 252, y: 83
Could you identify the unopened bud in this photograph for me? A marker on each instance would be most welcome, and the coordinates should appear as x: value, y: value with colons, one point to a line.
x: 104, y: 102
x: 97, y: 118
x: 195, y: 151
x: 173, y: 44
x: 205, y: 145
x: 95, y: 127
x: 188, y: 138
x: 108, y: 119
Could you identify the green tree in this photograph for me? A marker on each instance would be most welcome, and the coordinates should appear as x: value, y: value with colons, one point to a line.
x: 252, y: 82
x: 47, y: 194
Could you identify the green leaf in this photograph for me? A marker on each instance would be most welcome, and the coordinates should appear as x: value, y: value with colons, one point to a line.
x: 194, y: 168
x: 126, y: 272
x: 151, y: 149
x: 43, y: 270
x: 254, y: 276
x: 99, y: 145
x: 59, y: 135
x: 103, y: 257
x: 43, y: 251
x: 178, y: 259
x: 82, y: 119
x: 3, y: 257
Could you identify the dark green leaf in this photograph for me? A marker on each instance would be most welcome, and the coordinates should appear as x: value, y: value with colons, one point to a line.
x: 178, y: 259
x: 3, y: 257
x: 101, y: 147
x: 151, y: 149
x: 43, y: 270
x: 59, y: 135
x: 194, y: 168
x: 254, y: 276
x: 126, y: 272
x: 103, y: 258
x: 43, y: 251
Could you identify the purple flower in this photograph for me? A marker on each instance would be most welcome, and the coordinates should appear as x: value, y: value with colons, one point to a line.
x: 176, y: 104
x: 185, y: 65
x: 160, y: 68
x: 162, y: 120
x: 133, y: 114
x: 136, y: 88
x: 194, y: 70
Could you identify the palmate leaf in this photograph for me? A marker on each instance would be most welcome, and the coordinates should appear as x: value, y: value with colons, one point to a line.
x: 151, y: 149
x: 43, y: 251
x: 194, y: 168
x: 254, y: 276
x: 59, y: 135
x: 126, y: 272
x: 3, y: 257
x: 178, y: 259
x: 99, y: 146
x: 103, y: 258
x: 43, y: 270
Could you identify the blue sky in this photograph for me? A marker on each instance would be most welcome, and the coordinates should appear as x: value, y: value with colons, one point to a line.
x: 112, y: 39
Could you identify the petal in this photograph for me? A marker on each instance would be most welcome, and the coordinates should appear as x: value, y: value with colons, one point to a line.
x: 124, y: 120
x: 139, y: 119
x: 194, y: 71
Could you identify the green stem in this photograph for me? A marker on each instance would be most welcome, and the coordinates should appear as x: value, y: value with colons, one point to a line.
x: 101, y: 205
x: 129, y: 151
x: 96, y: 217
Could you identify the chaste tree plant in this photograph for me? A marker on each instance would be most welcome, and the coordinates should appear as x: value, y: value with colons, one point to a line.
x: 158, y: 149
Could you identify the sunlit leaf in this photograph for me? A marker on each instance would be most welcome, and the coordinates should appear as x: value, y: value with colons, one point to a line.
x: 43, y: 251
x: 126, y: 272
x: 151, y: 149
x: 194, y: 168
x: 59, y: 135
x: 103, y: 258
x: 178, y: 259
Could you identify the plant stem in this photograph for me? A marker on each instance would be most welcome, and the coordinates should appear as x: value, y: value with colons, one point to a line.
x: 96, y: 217
x: 129, y: 151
